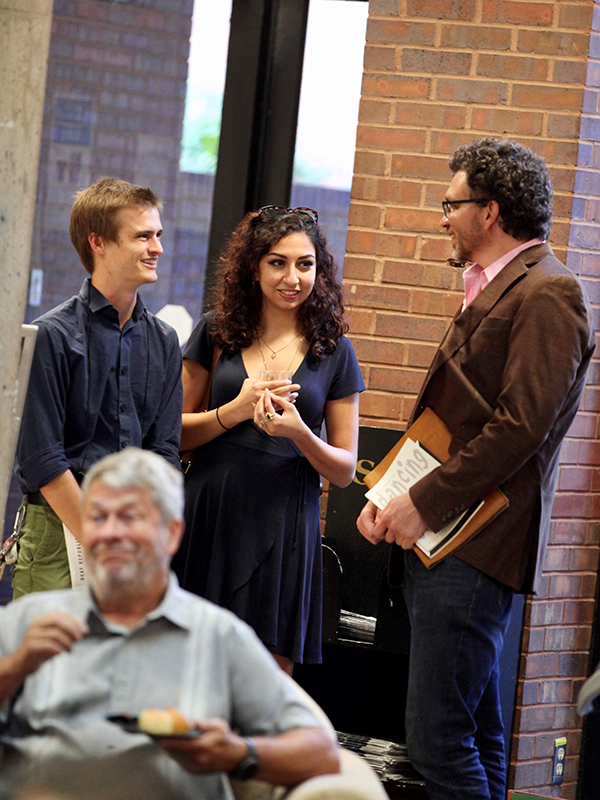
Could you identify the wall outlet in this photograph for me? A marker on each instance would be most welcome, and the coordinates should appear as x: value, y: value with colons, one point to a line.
x: 558, y: 762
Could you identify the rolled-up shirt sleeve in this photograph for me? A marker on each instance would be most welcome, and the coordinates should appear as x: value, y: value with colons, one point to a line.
x: 40, y: 450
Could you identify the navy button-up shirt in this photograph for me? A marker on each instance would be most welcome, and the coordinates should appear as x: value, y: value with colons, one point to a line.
x: 96, y: 388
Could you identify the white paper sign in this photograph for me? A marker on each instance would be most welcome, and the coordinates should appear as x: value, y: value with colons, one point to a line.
x: 411, y: 464
x: 76, y: 560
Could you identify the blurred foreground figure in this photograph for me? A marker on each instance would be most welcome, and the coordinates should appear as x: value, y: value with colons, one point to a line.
x: 127, y: 776
x: 134, y: 640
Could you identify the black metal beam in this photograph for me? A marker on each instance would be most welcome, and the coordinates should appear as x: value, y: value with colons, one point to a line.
x: 276, y: 120
x: 260, y: 114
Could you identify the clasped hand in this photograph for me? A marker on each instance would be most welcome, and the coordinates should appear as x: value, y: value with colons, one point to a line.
x: 218, y: 749
x: 398, y: 522
x: 252, y: 390
x: 287, y: 423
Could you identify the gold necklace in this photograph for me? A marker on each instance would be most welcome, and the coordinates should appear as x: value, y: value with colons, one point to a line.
x: 278, y: 351
x: 274, y: 352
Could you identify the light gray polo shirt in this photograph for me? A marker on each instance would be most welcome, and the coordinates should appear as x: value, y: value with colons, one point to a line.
x: 187, y: 654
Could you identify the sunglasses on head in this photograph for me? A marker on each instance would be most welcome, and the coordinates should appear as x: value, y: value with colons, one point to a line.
x: 278, y: 212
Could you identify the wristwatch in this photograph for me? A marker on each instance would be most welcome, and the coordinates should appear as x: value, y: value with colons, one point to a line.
x: 248, y: 766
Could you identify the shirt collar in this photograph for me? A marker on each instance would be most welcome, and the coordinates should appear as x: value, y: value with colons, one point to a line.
x: 497, y: 266
x: 97, y: 300
x: 172, y: 608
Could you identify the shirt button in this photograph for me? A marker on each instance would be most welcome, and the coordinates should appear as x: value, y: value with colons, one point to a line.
x: 123, y: 408
x: 124, y: 444
x: 123, y: 370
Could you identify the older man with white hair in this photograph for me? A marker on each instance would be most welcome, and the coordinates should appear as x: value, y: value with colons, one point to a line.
x: 71, y: 660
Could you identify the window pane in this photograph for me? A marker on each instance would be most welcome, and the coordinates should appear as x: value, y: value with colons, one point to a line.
x: 206, y: 81
x: 326, y: 136
x: 199, y: 148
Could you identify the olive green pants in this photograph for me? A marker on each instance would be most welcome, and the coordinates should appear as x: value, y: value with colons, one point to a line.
x: 43, y: 562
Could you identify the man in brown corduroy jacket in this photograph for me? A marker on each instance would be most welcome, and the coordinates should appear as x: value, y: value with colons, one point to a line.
x: 506, y: 380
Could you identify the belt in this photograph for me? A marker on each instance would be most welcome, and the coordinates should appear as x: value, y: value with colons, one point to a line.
x: 36, y: 499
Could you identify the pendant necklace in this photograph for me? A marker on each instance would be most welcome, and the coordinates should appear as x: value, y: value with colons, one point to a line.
x: 274, y: 352
x: 279, y: 351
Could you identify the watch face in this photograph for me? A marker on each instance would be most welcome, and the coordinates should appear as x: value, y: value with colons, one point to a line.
x: 247, y: 769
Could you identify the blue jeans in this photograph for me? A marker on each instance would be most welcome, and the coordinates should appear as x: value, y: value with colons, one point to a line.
x: 454, y: 729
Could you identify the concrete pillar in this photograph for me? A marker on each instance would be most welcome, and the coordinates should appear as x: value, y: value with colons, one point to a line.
x: 24, y: 42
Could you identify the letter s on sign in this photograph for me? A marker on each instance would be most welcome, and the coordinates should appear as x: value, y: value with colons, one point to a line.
x: 363, y: 467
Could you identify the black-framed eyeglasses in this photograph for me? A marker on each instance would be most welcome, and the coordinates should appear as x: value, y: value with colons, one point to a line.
x: 278, y: 212
x: 447, y: 204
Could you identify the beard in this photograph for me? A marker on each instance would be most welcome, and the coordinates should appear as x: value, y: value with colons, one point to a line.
x: 129, y: 578
x: 462, y: 251
x: 466, y: 245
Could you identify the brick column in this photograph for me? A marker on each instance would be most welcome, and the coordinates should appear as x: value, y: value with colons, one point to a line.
x: 438, y: 75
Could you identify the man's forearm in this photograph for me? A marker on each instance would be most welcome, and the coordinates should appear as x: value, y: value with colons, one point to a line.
x: 63, y: 494
x: 46, y: 636
x: 296, y: 756
x: 164, y: 435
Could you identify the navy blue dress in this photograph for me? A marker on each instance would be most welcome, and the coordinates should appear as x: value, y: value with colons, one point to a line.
x: 253, y: 537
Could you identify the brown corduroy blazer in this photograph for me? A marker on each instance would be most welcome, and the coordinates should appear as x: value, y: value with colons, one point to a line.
x: 507, y: 380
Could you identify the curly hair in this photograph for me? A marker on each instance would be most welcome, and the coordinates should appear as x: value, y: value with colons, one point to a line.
x: 515, y: 177
x: 238, y: 306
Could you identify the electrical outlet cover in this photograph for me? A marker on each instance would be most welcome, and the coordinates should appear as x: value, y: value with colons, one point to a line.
x: 558, y: 762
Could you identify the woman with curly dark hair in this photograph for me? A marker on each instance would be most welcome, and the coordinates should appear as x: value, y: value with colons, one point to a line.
x: 253, y: 538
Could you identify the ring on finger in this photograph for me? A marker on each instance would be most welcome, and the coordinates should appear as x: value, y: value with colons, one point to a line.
x: 269, y: 415
x: 263, y: 422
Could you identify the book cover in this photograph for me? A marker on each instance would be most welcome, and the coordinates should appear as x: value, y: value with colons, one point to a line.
x: 423, y: 447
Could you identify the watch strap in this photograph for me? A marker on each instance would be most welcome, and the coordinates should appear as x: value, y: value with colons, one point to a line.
x: 248, y: 766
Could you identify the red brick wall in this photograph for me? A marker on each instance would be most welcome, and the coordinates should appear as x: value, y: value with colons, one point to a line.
x: 115, y: 96
x: 438, y: 75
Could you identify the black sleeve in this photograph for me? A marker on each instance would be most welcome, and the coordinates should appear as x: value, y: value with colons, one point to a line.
x: 199, y: 346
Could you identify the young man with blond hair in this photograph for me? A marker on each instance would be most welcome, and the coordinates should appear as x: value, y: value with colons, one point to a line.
x: 105, y: 375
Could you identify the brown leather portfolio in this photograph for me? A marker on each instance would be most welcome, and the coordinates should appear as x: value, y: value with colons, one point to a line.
x: 431, y: 432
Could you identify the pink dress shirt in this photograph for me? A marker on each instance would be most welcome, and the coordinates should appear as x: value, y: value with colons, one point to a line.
x: 477, y: 278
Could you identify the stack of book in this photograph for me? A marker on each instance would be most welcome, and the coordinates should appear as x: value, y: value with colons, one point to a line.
x: 389, y: 759
x: 357, y: 627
